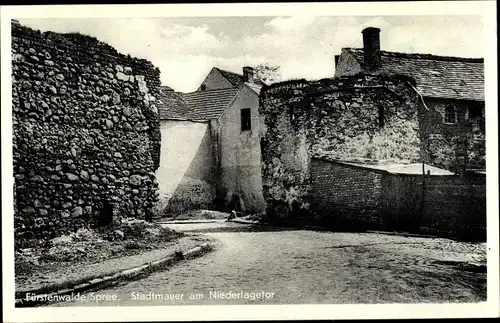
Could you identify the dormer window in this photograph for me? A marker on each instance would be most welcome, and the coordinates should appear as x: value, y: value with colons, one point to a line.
x: 203, y: 87
x: 450, y: 114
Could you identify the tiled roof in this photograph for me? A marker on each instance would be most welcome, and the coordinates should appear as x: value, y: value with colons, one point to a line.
x: 210, y: 104
x: 199, y: 105
x: 236, y: 79
x: 436, y: 76
x: 173, y: 106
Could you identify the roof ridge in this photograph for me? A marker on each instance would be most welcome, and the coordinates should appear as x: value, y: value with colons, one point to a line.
x: 220, y: 69
x: 425, y: 56
x: 214, y: 90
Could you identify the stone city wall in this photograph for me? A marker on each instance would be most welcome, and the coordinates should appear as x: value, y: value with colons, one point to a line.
x: 86, y: 138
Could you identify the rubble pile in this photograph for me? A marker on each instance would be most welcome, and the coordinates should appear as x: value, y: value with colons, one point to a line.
x: 140, y: 230
x: 128, y: 237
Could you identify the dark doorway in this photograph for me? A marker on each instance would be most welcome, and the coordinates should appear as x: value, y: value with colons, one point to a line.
x: 105, y: 217
x: 381, y: 117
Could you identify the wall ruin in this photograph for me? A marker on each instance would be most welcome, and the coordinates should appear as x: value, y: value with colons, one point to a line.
x: 86, y: 134
x: 363, y: 116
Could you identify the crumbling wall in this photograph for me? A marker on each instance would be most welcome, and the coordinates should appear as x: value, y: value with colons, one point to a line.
x: 362, y: 116
x: 86, y: 134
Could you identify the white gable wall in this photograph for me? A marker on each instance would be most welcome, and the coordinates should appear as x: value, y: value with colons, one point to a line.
x: 240, y: 153
x: 215, y: 80
x: 186, y: 174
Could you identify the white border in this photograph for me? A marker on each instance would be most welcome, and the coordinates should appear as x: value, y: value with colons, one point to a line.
x: 221, y: 312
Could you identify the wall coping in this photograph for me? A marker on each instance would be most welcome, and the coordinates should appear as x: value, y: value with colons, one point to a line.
x: 392, y: 168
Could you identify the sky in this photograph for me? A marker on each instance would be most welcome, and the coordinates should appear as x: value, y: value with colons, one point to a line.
x: 186, y: 48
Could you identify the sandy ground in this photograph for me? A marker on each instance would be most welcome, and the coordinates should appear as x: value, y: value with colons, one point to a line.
x: 307, y: 267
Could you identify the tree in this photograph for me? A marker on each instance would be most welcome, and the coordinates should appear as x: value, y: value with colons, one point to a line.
x: 267, y: 73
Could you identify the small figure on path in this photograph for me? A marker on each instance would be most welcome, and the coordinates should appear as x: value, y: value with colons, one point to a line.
x: 231, y: 216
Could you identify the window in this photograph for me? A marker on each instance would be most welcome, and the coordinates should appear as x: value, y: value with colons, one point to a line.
x: 246, y: 120
x: 450, y: 115
x: 474, y: 112
x: 203, y: 87
x: 291, y: 111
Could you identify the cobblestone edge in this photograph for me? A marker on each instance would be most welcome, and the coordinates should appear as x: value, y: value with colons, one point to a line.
x: 190, y: 221
x: 109, y: 280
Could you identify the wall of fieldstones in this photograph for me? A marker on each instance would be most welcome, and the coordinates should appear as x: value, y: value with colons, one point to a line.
x: 86, y: 138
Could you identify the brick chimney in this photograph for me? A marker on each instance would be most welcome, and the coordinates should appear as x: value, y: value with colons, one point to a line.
x: 371, y: 48
x: 248, y: 74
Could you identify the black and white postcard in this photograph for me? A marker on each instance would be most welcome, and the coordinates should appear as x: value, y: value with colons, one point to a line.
x: 249, y: 161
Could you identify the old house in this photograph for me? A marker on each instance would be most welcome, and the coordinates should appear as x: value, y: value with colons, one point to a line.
x: 452, y: 89
x: 212, y: 155
x: 351, y: 152
x: 367, y: 117
x: 221, y: 79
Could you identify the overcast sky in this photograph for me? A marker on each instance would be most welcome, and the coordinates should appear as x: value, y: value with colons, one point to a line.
x: 185, y: 49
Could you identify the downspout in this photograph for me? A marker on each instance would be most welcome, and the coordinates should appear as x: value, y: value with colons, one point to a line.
x: 419, y: 95
x: 422, y: 206
x: 426, y: 108
x: 422, y: 203
x: 218, y: 155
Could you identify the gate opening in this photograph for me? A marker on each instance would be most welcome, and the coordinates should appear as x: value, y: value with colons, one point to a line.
x: 105, y: 217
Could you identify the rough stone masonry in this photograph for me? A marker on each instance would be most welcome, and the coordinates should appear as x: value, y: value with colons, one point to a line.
x: 85, y: 134
x: 363, y: 116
